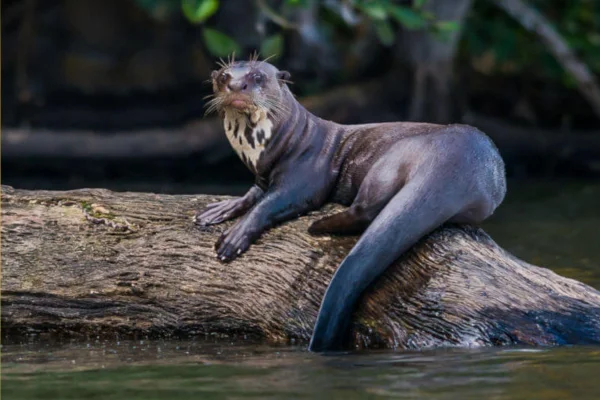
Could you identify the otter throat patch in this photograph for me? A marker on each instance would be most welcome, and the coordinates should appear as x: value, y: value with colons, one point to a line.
x: 248, y: 136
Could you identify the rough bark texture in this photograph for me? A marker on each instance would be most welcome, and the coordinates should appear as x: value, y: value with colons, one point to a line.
x: 95, y: 262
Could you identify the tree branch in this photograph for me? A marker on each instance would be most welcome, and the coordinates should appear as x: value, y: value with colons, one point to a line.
x: 273, y: 16
x: 533, y: 21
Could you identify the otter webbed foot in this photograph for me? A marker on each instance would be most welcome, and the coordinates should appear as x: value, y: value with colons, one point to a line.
x: 222, y: 211
x: 235, y: 241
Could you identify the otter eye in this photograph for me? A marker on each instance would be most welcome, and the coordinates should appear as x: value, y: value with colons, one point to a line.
x: 258, y: 79
x: 223, y: 78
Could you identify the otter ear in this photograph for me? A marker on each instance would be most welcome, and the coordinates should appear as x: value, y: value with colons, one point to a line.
x: 283, y: 75
x: 214, y: 74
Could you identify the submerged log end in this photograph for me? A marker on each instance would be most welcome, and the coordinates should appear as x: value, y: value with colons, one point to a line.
x: 96, y: 262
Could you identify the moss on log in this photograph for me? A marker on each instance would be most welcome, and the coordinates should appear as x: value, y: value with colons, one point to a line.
x: 95, y: 262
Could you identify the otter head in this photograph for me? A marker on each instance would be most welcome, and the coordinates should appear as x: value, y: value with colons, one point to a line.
x: 249, y: 88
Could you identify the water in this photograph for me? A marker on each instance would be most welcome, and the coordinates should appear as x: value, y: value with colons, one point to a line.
x: 202, y: 369
x: 205, y: 370
x: 553, y: 224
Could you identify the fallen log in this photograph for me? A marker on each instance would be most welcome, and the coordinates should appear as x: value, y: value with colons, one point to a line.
x: 95, y: 262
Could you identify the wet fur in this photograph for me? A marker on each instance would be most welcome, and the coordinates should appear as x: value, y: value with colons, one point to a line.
x: 399, y: 180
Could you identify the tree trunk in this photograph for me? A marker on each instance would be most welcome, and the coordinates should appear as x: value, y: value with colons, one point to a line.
x: 95, y: 262
x: 432, y: 61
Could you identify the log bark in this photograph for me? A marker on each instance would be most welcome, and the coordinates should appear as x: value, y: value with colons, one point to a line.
x: 95, y: 262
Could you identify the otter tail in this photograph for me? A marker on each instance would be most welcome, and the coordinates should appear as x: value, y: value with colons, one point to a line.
x: 416, y: 210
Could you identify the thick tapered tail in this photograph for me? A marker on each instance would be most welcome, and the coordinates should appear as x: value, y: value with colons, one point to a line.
x: 416, y: 210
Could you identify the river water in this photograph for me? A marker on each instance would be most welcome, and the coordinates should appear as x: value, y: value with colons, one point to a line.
x: 552, y: 224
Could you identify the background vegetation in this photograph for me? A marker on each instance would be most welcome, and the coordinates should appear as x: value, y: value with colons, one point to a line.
x: 104, y: 79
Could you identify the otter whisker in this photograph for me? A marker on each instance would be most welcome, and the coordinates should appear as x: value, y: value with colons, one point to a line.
x: 274, y: 107
x: 276, y: 101
x: 209, y: 111
x: 270, y: 103
x: 262, y: 105
x: 221, y: 63
x: 215, y: 104
x: 276, y: 104
x: 268, y: 58
x: 254, y: 57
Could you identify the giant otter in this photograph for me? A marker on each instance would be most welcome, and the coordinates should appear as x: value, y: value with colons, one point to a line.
x: 399, y: 181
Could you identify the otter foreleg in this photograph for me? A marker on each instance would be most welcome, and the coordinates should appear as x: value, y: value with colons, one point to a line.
x: 226, y: 210
x: 277, y: 205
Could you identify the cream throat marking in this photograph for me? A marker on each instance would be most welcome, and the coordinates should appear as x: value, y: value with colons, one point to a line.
x: 248, y: 135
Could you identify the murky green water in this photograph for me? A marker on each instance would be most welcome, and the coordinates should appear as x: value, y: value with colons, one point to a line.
x: 203, y: 370
x: 553, y: 224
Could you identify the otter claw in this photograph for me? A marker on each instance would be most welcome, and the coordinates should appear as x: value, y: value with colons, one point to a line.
x: 234, y: 242
x: 217, y: 213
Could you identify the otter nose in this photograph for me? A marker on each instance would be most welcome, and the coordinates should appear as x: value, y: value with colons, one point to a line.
x: 237, y: 85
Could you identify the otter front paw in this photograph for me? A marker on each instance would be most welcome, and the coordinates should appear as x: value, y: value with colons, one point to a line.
x: 235, y: 241
x: 221, y: 211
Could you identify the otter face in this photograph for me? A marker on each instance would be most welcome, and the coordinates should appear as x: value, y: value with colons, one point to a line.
x: 249, y: 97
x: 248, y: 87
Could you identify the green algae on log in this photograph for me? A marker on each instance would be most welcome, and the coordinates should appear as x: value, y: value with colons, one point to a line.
x: 96, y: 262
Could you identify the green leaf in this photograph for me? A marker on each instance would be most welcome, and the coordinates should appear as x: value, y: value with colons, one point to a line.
x: 419, y: 3
x: 441, y: 29
x: 298, y: 3
x: 198, y: 11
x: 272, y: 46
x: 408, y: 17
x: 219, y: 44
x: 446, y: 26
x: 375, y: 10
x: 385, y: 33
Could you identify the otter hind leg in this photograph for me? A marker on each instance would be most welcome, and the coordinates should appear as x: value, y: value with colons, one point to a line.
x: 350, y: 221
x: 374, y: 193
x: 474, y: 214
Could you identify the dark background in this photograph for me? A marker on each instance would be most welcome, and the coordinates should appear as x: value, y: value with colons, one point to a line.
x: 109, y: 93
